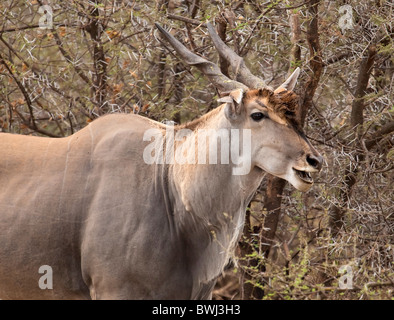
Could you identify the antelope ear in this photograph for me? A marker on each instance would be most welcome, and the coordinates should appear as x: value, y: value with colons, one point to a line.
x: 290, y: 83
x: 237, y: 95
x: 233, y: 104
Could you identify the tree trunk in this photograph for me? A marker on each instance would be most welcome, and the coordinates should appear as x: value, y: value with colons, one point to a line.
x: 95, y: 29
x: 275, y: 186
x: 336, y: 212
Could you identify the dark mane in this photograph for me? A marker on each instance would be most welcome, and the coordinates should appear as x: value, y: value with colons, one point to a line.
x: 285, y: 103
x: 288, y: 104
x: 194, y: 124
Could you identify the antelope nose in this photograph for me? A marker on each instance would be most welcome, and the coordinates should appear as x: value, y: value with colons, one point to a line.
x: 315, y: 162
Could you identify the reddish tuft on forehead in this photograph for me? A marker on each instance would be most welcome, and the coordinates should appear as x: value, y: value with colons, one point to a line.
x: 285, y: 103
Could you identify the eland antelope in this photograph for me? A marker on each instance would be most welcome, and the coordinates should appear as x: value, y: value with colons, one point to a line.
x: 113, y: 226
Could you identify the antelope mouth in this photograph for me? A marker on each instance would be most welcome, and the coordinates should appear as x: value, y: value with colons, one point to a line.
x: 304, y: 176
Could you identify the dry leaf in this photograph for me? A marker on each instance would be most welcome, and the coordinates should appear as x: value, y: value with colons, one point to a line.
x: 112, y: 34
x: 125, y: 64
x: 117, y: 87
x: 145, y: 107
x: 136, y: 108
x: 62, y: 31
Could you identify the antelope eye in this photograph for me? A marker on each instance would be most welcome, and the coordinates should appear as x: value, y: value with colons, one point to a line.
x: 289, y: 113
x: 257, y: 116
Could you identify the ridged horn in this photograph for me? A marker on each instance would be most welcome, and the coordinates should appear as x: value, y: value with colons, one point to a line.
x: 242, y: 73
x: 211, y: 70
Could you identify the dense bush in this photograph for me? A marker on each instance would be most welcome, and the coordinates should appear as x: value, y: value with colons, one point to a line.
x: 70, y: 62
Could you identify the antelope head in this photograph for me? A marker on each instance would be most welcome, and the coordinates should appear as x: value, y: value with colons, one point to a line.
x: 279, y: 145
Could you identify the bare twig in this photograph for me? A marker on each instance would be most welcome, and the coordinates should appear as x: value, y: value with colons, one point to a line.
x: 68, y: 58
x: 31, y: 122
